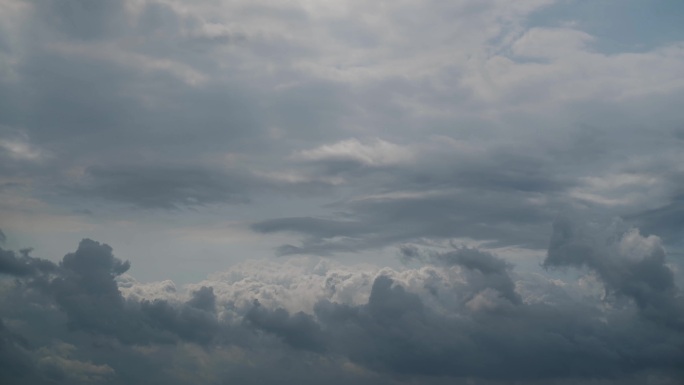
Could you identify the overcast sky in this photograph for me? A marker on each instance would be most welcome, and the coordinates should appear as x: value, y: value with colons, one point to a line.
x: 307, y: 191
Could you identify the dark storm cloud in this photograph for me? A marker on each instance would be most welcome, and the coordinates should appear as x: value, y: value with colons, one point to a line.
x: 15, y: 361
x: 87, y: 292
x: 83, y: 286
x: 187, y: 323
x: 395, y: 333
x: 488, y: 332
x: 512, y: 340
x: 644, y: 278
x: 490, y: 339
x: 23, y: 265
x: 298, y: 330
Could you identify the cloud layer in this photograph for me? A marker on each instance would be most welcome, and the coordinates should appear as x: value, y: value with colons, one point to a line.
x: 401, y: 121
x: 509, y: 173
x: 462, y: 315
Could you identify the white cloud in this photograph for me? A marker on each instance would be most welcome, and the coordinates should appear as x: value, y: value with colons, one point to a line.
x: 375, y: 153
x: 22, y: 149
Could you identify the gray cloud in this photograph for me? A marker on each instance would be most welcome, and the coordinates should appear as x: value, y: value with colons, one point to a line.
x: 666, y: 221
x: 334, y: 128
x: 203, y: 299
x: 14, y: 360
x: 505, y: 219
x: 174, y: 91
x: 22, y: 265
x: 460, y: 316
x: 299, y: 330
x: 174, y: 187
x: 187, y: 323
x: 493, y: 272
x: 166, y: 187
x: 504, y: 195
x: 628, y: 264
x: 394, y: 333
x: 83, y: 286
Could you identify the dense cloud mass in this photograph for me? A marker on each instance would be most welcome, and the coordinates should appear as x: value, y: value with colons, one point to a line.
x: 373, y: 192
x: 462, y: 315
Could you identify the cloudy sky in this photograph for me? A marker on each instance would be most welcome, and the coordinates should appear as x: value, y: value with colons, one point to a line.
x: 374, y: 192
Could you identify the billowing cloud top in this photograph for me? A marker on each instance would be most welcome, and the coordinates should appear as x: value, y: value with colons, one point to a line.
x: 474, y: 191
x: 462, y: 314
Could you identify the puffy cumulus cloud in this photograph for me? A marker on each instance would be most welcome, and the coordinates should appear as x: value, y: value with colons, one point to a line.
x: 492, y: 271
x: 295, y: 285
x: 83, y: 285
x: 461, y: 316
x: 299, y: 330
x: 629, y: 264
x: 22, y: 264
x: 132, y: 289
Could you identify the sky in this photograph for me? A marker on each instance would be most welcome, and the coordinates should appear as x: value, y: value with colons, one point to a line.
x: 305, y: 191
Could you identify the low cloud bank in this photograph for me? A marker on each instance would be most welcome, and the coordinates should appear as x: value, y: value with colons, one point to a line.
x: 462, y: 316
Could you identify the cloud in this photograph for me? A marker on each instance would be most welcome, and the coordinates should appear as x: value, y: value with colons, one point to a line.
x: 14, y: 358
x: 379, y: 222
x: 349, y: 129
x: 22, y: 265
x: 56, y: 362
x: 83, y: 285
x: 203, y: 299
x: 175, y: 105
x: 374, y: 154
x: 462, y: 314
x: 628, y: 264
x: 20, y: 150
x: 665, y: 221
x: 165, y: 187
x: 493, y: 271
x: 299, y: 330
x: 174, y: 187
